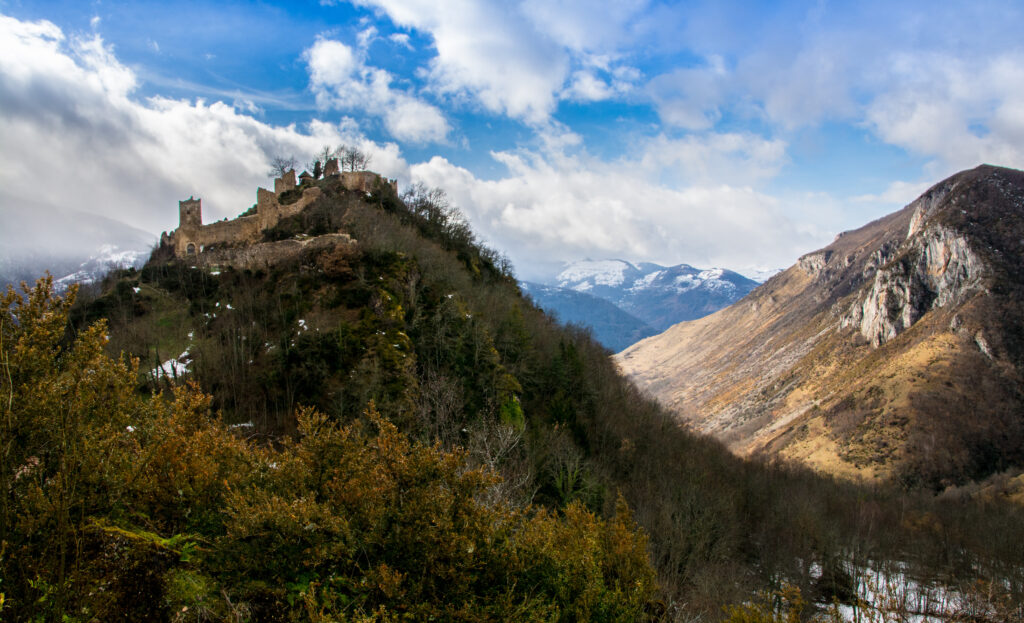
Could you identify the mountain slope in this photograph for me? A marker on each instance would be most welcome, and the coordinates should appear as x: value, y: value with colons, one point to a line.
x: 364, y: 300
x: 659, y: 296
x: 612, y: 327
x: 67, y: 243
x: 894, y: 352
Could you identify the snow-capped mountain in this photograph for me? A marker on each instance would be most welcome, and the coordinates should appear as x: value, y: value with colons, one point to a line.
x: 611, y: 326
x: 109, y: 257
x: 660, y: 296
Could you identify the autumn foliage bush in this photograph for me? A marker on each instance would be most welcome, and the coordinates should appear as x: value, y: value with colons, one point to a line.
x: 119, y: 506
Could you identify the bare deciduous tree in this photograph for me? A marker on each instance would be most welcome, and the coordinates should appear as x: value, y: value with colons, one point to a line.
x: 353, y: 158
x: 320, y: 158
x: 279, y: 165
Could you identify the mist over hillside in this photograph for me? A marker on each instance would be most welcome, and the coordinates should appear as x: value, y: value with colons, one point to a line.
x: 65, y: 242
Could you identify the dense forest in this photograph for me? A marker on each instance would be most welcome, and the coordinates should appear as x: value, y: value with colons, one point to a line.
x: 391, y: 430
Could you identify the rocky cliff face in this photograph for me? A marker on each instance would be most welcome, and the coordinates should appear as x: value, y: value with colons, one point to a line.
x: 935, y: 267
x: 895, y: 352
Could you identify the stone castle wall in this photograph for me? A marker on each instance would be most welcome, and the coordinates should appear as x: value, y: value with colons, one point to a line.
x: 263, y: 255
x: 192, y: 238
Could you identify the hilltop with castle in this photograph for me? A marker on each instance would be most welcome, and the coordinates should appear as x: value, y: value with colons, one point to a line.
x: 192, y: 238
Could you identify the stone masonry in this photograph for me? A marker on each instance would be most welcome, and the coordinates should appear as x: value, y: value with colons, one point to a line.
x: 191, y: 237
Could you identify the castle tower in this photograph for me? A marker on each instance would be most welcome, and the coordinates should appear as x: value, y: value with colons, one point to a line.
x: 190, y: 213
x: 285, y: 183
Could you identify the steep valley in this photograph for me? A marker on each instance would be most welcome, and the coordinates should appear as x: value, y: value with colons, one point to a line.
x: 358, y: 412
x: 892, y: 354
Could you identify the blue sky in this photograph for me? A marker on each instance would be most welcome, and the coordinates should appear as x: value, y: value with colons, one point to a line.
x: 733, y: 134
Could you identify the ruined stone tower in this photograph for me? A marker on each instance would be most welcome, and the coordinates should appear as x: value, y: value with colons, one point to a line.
x: 190, y: 213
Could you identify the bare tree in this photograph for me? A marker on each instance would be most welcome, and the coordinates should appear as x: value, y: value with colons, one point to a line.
x: 326, y: 153
x: 353, y: 158
x: 279, y: 165
x: 320, y: 158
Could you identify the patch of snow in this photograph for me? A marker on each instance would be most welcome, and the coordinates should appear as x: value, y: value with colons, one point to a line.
x: 173, y: 368
x: 107, y: 258
x: 647, y: 280
x: 759, y: 274
x: 597, y: 272
x: 685, y: 283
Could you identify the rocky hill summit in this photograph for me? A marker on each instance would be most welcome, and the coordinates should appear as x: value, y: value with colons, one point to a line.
x: 893, y: 353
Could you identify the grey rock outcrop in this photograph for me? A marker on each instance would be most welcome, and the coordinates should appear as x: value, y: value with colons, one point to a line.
x: 934, y: 267
x: 814, y: 263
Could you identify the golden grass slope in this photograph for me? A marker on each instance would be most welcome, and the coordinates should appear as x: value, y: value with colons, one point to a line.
x: 782, y: 373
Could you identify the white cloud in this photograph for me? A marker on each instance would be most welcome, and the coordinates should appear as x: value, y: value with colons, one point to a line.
x: 731, y: 158
x: 247, y: 105
x: 942, y: 80
x: 488, y: 51
x: 897, y: 193
x: 691, y: 98
x: 341, y: 80
x: 588, y: 25
x: 366, y: 37
x: 587, y: 87
x: 960, y: 112
x: 555, y: 207
x: 68, y: 114
x: 401, y: 39
x: 69, y: 109
x: 520, y: 59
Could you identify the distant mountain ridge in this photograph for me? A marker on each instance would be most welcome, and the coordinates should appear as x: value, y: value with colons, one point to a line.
x: 894, y: 353
x: 660, y: 296
x: 611, y: 326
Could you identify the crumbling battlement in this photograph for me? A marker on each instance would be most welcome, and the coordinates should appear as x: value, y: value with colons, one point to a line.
x: 191, y: 237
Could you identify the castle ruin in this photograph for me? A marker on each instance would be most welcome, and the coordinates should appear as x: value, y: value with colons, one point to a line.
x: 191, y: 237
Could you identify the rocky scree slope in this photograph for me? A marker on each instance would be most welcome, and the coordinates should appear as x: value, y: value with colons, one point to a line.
x: 893, y: 353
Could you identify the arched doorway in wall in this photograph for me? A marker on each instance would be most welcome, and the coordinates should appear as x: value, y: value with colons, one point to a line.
x: 190, y: 249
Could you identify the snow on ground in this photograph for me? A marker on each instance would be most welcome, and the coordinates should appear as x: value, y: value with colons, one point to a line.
x: 646, y: 281
x: 894, y: 597
x: 711, y: 273
x: 173, y: 368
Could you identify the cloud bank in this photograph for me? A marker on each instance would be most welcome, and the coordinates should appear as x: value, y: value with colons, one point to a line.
x: 69, y: 114
x: 700, y: 113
